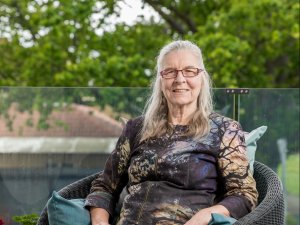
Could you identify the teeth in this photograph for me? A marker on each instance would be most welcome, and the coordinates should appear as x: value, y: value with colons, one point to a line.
x: 180, y: 90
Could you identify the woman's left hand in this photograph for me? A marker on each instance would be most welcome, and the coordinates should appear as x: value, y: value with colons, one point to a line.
x: 200, y: 218
x: 204, y: 215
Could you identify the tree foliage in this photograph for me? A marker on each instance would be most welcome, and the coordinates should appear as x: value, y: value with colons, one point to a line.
x: 74, y: 43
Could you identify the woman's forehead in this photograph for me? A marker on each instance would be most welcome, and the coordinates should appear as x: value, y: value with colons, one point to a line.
x: 182, y: 57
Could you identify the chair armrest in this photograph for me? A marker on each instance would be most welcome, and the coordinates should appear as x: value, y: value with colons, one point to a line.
x: 271, y: 204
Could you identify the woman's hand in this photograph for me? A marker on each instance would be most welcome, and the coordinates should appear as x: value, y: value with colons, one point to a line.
x: 200, y: 218
x: 204, y: 215
x: 99, y: 216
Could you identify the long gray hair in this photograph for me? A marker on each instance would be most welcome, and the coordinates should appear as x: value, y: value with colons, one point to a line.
x: 156, y: 109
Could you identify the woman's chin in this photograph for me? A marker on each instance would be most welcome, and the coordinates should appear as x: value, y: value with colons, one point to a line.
x: 181, y: 103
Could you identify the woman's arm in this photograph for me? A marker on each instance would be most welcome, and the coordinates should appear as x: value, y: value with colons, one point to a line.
x: 107, y: 187
x: 241, y: 194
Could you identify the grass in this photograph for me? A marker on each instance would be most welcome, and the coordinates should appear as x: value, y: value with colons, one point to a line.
x: 292, y: 174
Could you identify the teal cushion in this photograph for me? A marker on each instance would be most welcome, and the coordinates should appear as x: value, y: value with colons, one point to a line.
x: 62, y: 211
x: 251, y: 145
x: 218, y: 219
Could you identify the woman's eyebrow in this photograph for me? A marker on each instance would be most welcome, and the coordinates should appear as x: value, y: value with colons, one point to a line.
x: 173, y: 68
x: 169, y: 68
x: 189, y: 67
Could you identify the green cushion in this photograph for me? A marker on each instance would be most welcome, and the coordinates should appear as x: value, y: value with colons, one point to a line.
x: 251, y: 145
x: 218, y: 219
x: 62, y: 211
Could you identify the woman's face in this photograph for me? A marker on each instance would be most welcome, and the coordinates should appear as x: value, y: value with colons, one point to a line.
x: 181, y: 91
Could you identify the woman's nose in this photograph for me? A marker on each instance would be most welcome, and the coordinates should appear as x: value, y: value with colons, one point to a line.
x: 180, y: 78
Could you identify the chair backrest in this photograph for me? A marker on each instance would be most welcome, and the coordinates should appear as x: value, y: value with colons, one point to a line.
x: 270, y: 209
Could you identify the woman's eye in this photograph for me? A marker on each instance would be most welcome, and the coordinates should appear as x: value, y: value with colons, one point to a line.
x: 170, y: 72
x: 191, y: 70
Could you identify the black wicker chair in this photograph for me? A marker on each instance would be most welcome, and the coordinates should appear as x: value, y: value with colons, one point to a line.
x: 270, y: 210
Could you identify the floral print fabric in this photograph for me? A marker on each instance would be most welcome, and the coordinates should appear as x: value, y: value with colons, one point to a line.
x: 172, y: 177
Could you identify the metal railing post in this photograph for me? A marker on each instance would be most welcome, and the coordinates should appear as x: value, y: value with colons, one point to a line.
x: 236, y: 96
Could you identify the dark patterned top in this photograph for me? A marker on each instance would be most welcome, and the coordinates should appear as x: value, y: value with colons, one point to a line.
x: 172, y: 177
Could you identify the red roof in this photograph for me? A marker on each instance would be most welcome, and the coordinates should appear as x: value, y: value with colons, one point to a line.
x: 72, y: 121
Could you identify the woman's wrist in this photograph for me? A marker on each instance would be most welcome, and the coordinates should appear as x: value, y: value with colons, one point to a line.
x: 99, y: 216
x: 101, y: 223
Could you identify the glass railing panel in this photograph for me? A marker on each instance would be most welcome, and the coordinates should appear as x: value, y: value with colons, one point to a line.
x: 279, y: 146
x: 223, y: 102
x: 50, y: 137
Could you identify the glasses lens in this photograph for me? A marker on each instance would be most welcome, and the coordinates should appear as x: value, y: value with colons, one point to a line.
x: 190, y: 72
x: 169, y: 73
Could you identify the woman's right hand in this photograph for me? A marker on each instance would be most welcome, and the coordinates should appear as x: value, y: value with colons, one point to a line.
x: 99, y: 216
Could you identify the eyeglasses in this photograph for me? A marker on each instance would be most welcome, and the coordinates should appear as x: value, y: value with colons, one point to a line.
x: 172, y: 73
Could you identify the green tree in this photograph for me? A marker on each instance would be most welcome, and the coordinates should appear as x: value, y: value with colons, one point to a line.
x: 245, y: 43
x: 68, y: 43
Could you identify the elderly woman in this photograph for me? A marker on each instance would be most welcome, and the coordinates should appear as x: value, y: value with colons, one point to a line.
x: 180, y: 160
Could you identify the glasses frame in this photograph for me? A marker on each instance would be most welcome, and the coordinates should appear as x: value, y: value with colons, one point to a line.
x: 177, y: 71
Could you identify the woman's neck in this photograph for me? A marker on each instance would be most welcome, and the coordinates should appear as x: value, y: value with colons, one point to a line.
x: 180, y: 115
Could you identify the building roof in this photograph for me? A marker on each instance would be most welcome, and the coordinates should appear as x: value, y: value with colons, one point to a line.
x: 71, y: 121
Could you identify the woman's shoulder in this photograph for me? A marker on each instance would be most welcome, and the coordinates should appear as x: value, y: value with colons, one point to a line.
x: 221, y: 120
x: 222, y: 125
x: 135, y: 123
x: 132, y: 130
x: 133, y: 126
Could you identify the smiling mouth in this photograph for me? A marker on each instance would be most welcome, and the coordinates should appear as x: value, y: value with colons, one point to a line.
x: 180, y: 90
